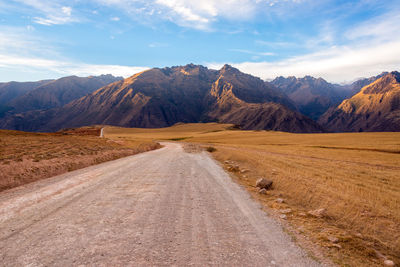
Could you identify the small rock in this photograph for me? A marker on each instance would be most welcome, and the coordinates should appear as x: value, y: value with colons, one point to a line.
x: 244, y: 171
x: 337, y: 246
x: 333, y: 239
x: 283, y: 216
x: 280, y: 200
x: 285, y: 211
x: 263, y: 191
x: 226, y: 161
x: 233, y: 168
x: 302, y: 214
x: 359, y: 235
x: 388, y: 263
x: 264, y: 183
x: 319, y: 213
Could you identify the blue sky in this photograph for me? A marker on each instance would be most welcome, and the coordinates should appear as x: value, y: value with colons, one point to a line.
x: 337, y: 40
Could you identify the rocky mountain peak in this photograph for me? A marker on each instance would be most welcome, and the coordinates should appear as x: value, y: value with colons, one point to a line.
x: 228, y: 69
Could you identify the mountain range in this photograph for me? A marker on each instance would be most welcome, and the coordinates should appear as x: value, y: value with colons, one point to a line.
x: 161, y: 97
x: 375, y: 108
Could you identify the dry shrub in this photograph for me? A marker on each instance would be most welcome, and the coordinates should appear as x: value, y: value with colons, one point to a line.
x: 211, y: 149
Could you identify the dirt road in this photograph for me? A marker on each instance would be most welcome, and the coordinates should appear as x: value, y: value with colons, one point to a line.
x: 164, y: 207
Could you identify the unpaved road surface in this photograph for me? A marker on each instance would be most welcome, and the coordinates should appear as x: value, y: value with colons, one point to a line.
x: 160, y: 208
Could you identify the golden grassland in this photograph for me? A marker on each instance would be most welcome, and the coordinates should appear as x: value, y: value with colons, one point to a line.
x: 27, y: 157
x: 354, y: 176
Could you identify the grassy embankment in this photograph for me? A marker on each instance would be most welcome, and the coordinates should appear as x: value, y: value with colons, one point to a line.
x: 354, y: 176
x: 27, y: 157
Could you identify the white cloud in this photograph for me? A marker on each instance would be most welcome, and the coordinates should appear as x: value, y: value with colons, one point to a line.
x: 24, y: 55
x: 51, y: 12
x: 30, y: 28
x: 369, y: 48
x: 55, y: 68
x: 382, y: 28
x: 193, y: 14
x: 337, y: 64
x: 66, y: 10
x: 115, y: 19
x: 252, y: 52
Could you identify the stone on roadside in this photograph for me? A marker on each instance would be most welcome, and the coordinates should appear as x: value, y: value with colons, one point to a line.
x: 283, y: 216
x: 280, y: 200
x: 318, y: 213
x: 264, y: 183
x: 388, y: 263
x: 285, y: 211
x: 337, y: 246
x: 333, y: 239
x: 233, y: 168
x: 263, y: 191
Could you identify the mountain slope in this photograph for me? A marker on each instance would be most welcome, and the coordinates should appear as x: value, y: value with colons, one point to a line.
x: 163, y: 97
x: 312, y: 96
x: 356, y: 86
x: 12, y: 90
x: 375, y: 108
x: 59, y: 92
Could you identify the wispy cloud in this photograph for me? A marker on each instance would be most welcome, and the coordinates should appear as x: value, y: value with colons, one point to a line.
x: 245, y: 51
x: 56, y: 68
x: 337, y: 64
x: 366, y: 49
x: 26, y: 54
x: 382, y: 28
x: 50, y: 12
x: 195, y: 14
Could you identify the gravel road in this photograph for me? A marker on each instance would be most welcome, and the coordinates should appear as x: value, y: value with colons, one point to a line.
x: 161, y: 208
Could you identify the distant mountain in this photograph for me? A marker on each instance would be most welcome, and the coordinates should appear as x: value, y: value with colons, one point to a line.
x: 356, y: 86
x: 12, y: 90
x: 59, y: 92
x: 163, y: 97
x: 312, y: 96
x: 375, y: 108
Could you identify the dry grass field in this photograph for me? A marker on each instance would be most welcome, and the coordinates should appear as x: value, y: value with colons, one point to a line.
x: 27, y: 157
x: 354, y: 176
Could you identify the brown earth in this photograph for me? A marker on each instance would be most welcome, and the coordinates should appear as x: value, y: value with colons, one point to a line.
x: 160, y: 208
x: 354, y: 176
x: 27, y: 157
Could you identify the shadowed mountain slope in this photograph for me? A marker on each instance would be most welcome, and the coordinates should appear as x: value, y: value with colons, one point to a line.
x: 312, y: 96
x: 12, y: 90
x: 163, y: 97
x: 59, y: 92
x: 375, y: 108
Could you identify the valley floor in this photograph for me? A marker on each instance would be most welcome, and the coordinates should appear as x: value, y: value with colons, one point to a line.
x: 353, y: 176
x: 166, y: 207
x: 28, y: 157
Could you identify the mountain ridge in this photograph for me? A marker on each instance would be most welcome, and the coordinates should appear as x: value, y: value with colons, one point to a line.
x: 375, y: 108
x: 163, y: 97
